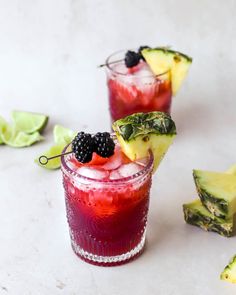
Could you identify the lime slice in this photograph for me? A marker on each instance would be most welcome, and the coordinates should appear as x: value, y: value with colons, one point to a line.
x: 29, y: 122
x: 3, y: 125
x: 15, y: 138
x: 62, y: 135
x: 54, y: 163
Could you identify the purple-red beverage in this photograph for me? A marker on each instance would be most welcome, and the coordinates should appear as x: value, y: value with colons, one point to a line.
x: 107, y: 204
x: 136, y: 89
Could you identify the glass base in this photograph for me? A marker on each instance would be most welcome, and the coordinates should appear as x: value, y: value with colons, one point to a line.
x: 109, y: 260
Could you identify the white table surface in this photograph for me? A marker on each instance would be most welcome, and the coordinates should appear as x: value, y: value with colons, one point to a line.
x: 48, y: 56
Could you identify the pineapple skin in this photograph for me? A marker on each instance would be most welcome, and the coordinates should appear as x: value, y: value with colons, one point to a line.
x: 229, y: 272
x: 196, y: 214
x: 217, y: 206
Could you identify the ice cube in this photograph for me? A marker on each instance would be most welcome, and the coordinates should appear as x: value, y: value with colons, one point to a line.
x: 120, y: 68
x: 71, y: 163
x: 144, y: 76
x: 148, y: 80
x: 71, y: 189
x: 130, y: 169
x: 142, y: 162
x: 114, y: 162
x: 115, y: 175
x: 127, y: 80
x: 97, y: 174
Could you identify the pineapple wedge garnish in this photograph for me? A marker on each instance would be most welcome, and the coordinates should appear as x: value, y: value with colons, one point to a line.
x: 141, y: 132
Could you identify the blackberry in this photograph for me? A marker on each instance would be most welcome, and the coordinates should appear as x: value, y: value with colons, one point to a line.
x: 82, y: 146
x: 140, y: 51
x: 103, y: 144
x: 131, y: 59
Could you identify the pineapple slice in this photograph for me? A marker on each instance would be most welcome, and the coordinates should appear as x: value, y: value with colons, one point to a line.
x: 217, y: 192
x: 229, y: 273
x: 141, y: 132
x: 196, y: 214
x: 163, y: 59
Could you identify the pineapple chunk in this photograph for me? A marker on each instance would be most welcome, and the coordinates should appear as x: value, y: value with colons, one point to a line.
x: 141, y: 132
x: 217, y: 192
x: 196, y: 214
x: 229, y: 273
x: 163, y: 59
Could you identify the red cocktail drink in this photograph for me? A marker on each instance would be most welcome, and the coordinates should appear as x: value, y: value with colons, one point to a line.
x: 107, y: 204
x: 136, y: 89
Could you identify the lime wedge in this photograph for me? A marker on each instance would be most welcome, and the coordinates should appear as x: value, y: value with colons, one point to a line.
x: 15, y: 138
x: 3, y: 125
x: 54, y: 163
x: 62, y: 135
x: 29, y: 122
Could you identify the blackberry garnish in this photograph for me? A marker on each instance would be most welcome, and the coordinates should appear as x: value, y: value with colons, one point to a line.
x: 82, y: 146
x: 131, y: 59
x: 103, y: 144
x: 140, y: 51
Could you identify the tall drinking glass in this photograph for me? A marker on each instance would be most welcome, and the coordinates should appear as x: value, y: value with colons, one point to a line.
x: 107, y: 207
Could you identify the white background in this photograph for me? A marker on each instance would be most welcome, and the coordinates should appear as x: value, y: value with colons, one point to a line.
x: 49, y: 50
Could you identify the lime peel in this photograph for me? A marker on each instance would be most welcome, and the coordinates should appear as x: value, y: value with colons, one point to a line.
x: 15, y: 138
x: 54, y: 163
x: 3, y: 125
x: 62, y: 137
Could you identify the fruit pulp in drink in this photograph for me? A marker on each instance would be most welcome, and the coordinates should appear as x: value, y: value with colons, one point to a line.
x: 136, y: 89
x: 107, y: 204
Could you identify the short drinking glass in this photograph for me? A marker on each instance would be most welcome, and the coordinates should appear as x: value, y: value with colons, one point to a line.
x: 136, y: 89
x: 107, y: 207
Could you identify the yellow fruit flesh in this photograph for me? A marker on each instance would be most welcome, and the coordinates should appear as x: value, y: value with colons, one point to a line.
x: 161, y: 61
x: 218, y: 184
x: 138, y: 147
x: 231, y: 170
x: 229, y: 273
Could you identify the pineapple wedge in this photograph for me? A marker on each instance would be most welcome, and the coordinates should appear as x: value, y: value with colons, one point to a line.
x: 217, y: 192
x: 229, y: 273
x: 141, y: 132
x: 163, y: 59
x: 196, y: 214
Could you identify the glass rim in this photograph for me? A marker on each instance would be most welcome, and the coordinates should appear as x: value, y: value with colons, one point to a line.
x: 123, y: 180
x: 108, y: 66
